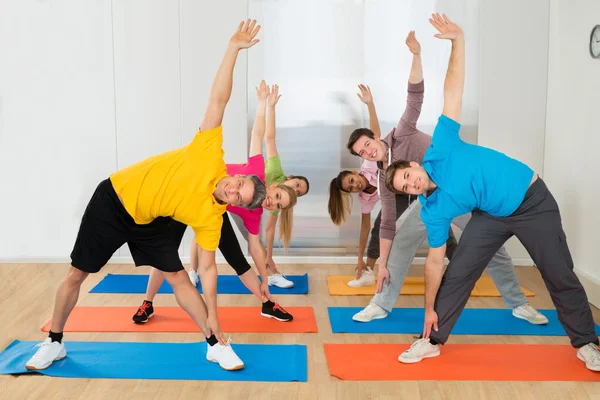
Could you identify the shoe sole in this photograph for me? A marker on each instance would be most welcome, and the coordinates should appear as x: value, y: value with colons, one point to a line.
x: 278, y: 319
x: 530, y: 321
x: 414, y: 361
x: 282, y: 287
x: 369, y: 320
x: 236, y: 368
x: 586, y: 365
x: 32, y: 368
x: 356, y: 287
x: 143, y: 322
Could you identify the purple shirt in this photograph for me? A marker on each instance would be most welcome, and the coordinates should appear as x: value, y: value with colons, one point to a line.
x: 405, y: 142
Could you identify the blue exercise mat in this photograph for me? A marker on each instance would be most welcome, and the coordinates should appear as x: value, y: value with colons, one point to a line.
x: 226, y: 284
x: 472, y: 321
x: 126, y: 360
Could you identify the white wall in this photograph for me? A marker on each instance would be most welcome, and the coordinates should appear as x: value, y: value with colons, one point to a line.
x: 513, y: 77
x: 57, y: 121
x: 571, y: 161
x: 90, y: 87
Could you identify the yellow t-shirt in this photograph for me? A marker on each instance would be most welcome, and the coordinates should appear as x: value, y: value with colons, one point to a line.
x: 178, y: 184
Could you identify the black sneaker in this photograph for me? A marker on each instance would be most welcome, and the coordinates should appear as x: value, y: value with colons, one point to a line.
x: 145, y: 312
x: 275, y: 311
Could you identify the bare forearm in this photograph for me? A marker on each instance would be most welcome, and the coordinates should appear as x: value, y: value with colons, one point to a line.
x: 270, y: 234
x: 208, y: 280
x: 270, y: 132
x: 258, y: 129
x: 373, y: 120
x: 258, y: 254
x: 434, y: 271
x: 455, y: 80
x: 221, y: 89
x: 416, y: 71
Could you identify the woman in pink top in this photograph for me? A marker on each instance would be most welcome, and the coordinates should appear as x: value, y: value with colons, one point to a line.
x: 365, y: 183
x: 278, y: 197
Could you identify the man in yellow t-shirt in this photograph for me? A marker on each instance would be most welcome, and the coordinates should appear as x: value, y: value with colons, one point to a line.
x: 135, y: 205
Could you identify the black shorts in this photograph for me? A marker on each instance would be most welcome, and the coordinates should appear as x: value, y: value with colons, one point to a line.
x: 106, y: 226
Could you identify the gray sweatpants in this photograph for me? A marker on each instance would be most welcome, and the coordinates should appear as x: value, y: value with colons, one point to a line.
x: 410, y: 236
x: 537, y: 224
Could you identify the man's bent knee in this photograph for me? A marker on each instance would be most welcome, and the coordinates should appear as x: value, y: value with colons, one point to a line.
x: 76, y: 276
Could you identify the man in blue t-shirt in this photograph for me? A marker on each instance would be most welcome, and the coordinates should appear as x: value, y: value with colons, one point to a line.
x: 506, y: 198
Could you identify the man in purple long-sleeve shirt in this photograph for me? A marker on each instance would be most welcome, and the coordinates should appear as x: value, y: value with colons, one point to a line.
x: 398, y: 246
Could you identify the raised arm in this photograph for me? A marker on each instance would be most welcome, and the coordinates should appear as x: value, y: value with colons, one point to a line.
x: 221, y: 89
x: 416, y: 88
x: 455, y: 77
x: 258, y: 130
x: 272, y: 100
x: 366, y: 97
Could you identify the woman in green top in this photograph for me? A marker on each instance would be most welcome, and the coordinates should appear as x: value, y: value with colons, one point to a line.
x: 274, y: 174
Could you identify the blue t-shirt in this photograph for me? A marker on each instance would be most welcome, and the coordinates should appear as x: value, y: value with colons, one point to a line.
x: 468, y: 177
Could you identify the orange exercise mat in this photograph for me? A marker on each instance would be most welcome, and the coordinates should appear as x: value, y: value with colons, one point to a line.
x: 459, y: 362
x: 338, y: 286
x: 174, y: 319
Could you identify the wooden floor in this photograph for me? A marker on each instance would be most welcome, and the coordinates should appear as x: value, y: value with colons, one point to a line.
x: 26, y: 299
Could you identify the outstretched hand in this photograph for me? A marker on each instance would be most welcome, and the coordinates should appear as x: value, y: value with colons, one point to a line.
x: 413, y: 44
x: 447, y: 29
x: 273, y: 95
x: 365, y: 94
x: 262, y: 91
x: 244, y: 37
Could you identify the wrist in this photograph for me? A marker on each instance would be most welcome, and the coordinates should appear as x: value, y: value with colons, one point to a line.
x: 459, y: 39
x: 233, y: 47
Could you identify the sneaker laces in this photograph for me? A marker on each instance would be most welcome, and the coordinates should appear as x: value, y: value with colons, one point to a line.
x: 43, y: 345
x: 278, y: 307
x: 143, y: 308
x: 416, y: 344
x: 594, y: 353
x: 527, y: 307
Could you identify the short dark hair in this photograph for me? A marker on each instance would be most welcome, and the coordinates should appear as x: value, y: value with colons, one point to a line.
x: 391, y: 171
x: 260, y: 192
x: 354, y: 136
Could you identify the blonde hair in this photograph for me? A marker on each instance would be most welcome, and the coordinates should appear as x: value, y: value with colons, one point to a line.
x: 340, y: 201
x: 286, y: 220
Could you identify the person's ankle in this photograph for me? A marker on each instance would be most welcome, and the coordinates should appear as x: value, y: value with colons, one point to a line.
x: 55, y: 336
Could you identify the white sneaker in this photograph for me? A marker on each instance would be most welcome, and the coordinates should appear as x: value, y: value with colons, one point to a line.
x: 418, y: 351
x: 193, y: 277
x: 224, y: 355
x: 47, y: 353
x: 280, y: 281
x: 366, y: 279
x: 530, y: 314
x: 369, y: 313
x: 590, y: 355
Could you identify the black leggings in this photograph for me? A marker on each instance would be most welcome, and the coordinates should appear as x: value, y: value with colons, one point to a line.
x: 230, y: 248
